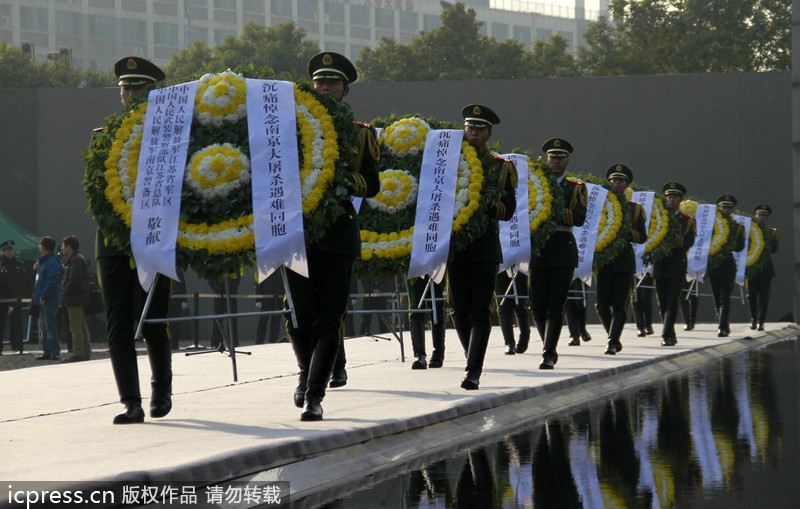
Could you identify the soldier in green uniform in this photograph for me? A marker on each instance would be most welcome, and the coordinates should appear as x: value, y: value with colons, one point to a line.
x: 552, y: 270
x: 510, y: 308
x: 723, y: 276
x: 123, y: 297
x: 760, y: 285
x: 471, y: 271
x: 320, y: 301
x: 615, y: 277
x: 13, y: 280
x: 670, y: 272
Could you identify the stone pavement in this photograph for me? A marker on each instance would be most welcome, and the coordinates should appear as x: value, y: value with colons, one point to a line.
x: 55, y: 419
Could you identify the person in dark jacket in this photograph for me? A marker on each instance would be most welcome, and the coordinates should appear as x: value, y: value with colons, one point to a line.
x: 12, y: 290
x: 670, y: 272
x: 760, y: 285
x: 75, y: 298
x: 614, y: 278
x: 472, y: 271
x: 46, y: 298
x: 723, y: 275
x: 320, y: 300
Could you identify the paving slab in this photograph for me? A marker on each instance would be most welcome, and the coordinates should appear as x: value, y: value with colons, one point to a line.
x: 55, y: 419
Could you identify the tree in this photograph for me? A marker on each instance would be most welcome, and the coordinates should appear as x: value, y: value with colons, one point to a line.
x: 550, y: 58
x: 20, y: 70
x: 282, y: 48
x: 689, y: 36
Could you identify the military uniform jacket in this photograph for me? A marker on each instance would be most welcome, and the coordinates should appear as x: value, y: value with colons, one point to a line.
x: 673, y: 266
x: 772, y: 240
x: 343, y: 237
x: 486, y: 248
x: 625, y: 261
x: 12, y: 279
x: 560, y: 249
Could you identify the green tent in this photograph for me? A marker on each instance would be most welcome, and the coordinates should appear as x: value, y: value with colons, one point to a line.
x: 27, y: 244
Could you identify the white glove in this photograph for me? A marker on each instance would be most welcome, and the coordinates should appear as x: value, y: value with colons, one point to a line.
x: 258, y: 304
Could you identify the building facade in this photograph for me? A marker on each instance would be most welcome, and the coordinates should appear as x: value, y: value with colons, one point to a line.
x: 93, y: 33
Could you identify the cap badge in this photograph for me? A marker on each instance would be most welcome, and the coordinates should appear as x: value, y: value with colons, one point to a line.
x: 327, y: 59
x: 131, y: 64
x: 476, y: 110
x: 557, y: 143
x: 672, y: 185
x: 619, y: 167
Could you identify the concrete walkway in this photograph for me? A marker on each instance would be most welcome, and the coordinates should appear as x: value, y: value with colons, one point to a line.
x: 55, y: 419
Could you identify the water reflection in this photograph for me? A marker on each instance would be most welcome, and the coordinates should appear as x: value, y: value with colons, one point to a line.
x: 700, y: 437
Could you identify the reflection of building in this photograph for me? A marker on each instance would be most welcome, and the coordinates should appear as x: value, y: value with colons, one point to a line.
x: 95, y: 32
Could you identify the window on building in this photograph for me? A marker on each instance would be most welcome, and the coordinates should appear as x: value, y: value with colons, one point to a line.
x: 409, y: 22
x: 500, y: 31
x: 384, y: 18
x: 33, y: 18
x: 132, y: 30
x: 5, y: 16
x: 307, y: 9
x: 225, y: 4
x: 355, y: 51
x: 220, y: 35
x: 198, y: 34
x: 543, y: 33
x: 165, y: 34
x: 338, y: 47
x: 101, y: 27
x: 256, y: 6
x: 359, y: 15
x: 522, y: 34
x: 280, y: 7
x: 430, y: 21
x: 68, y: 23
x: 334, y: 12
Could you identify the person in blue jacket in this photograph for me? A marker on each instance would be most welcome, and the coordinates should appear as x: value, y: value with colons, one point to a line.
x: 45, y: 296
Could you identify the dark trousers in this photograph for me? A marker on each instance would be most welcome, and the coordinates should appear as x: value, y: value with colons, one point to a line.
x: 123, y: 300
x: 320, y: 304
x: 549, y: 290
x: 613, y: 289
x: 14, y: 320
x: 689, y: 304
x: 668, y: 291
x: 723, y: 278
x: 758, y: 292
x: 470, y: 288
x: 417, y: 321
x: 575, y: 311
x: 642, y: 303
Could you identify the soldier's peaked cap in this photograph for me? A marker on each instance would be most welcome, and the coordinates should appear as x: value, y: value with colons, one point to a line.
x: 763, y: 208
x: 619, y: 171
x: 478, y: 115
x: 674, y: 188
x: 332, y: 66
x: 558, y: 147
x: 727, y: 200
x: 137, y: 71
x: 8, y: 244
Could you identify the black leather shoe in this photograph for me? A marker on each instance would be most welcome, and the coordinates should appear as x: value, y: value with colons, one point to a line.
x: 300, y: 396
x: 722, y: 334
x: 669, y: 341
x: 761, y: 326
x: 753, y: 324
x: 522, y: 345
x: 435, y: 363
x: 641, y: 333
x: 688, y: 326
x: 420, y: 363
x: 312, y: 410
x: 339, y: 378
x: 585, y: 336
x: 649, y: 331
x: 131, y: 414
x: 160, y: 405
x: 613, y: 348
x: 511, y: 348
x: 575, y: 342
x: 471, y: 381
x: 547, y: 363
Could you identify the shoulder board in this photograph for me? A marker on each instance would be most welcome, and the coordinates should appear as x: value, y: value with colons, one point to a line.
x: 574, y: 181
x: 773, y: 230
x: 99, y: 129
x: 501, y: 159
x: 363, y: 124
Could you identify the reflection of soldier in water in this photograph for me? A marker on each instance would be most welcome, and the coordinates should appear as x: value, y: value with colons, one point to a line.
x: 674, y: 438
x: 432, y: 482
x: 617, y: 464
x: 552, y: 479
x: 475, y: 484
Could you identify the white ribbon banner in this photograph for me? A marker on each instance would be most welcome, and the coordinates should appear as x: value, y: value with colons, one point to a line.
x: 515, y: 234
x: 741, y: 256
x: 159, y: 180
x: 435, y: 204
x: 698, y: 254
x: 277, y: 201
x: 586, y: 235
x: 646, y: 198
